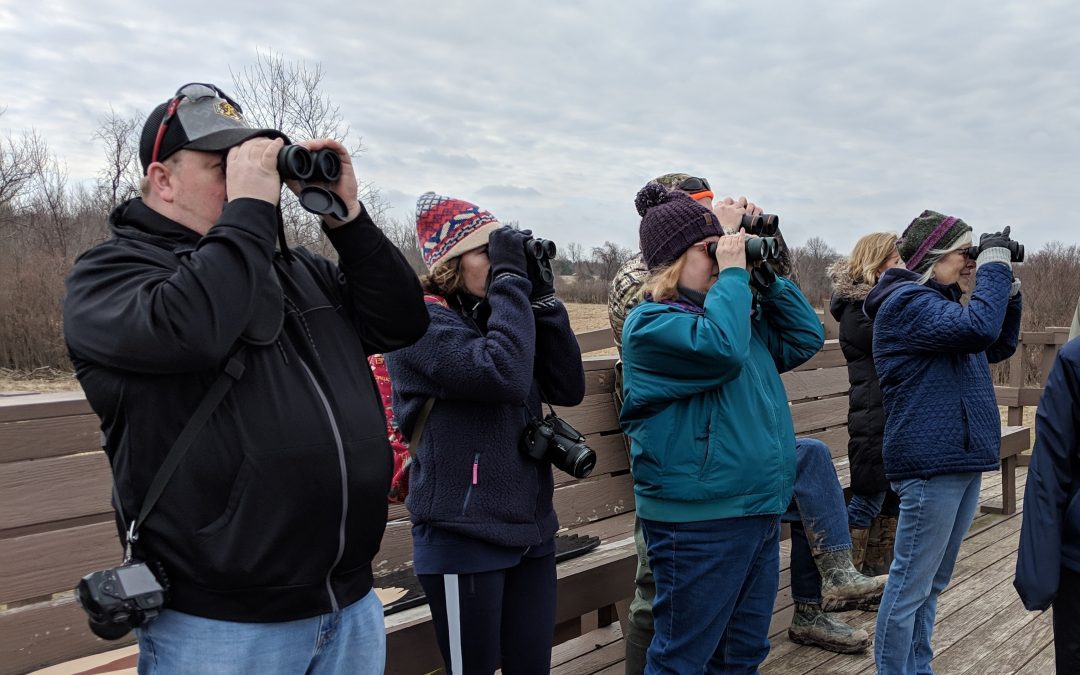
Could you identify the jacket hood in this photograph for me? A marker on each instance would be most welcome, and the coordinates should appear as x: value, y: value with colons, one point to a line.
x: 133, y: 219
x: 891, y: 281
x: 845, y: 288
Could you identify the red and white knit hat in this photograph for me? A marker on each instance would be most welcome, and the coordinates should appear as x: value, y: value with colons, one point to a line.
x: 448, y: 227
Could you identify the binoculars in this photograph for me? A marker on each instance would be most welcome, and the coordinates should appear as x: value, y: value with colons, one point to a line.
x: 758, y: 249
x: 764, y: 225
x: 1016, y: 252
x: 295, y: 162
x: 541, y: 252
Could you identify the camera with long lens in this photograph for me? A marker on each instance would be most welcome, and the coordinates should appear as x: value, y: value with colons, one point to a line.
x: 758, y: 249
x: 762, y: 225
x: 554, y: 440
x: 295, y: 162
x: 122, y: 598
x: 1016, y: 252
x: 539, y: 253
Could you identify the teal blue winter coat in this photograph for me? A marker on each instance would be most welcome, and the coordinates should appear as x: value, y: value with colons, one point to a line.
x: 708, y: 420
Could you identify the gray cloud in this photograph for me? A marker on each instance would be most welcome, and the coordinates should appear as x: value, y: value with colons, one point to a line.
x: 843, y: 117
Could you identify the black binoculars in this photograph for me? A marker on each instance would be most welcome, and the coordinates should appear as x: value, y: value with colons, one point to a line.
x: 1016, y: 252
x: 758, y: 249
x: 295, y: 162
x: 541, y: 252
x: 763, y: 225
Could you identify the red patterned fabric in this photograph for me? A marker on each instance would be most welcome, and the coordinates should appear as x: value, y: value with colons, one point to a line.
x: 399, y: 484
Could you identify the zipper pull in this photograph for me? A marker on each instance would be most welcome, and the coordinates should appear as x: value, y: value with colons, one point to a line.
x: 476, y: 468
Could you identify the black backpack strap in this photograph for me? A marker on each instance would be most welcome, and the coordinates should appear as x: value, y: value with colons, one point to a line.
x: 234, y: 369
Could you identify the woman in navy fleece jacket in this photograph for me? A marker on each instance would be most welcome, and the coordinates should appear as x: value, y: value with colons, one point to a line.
x: 942, y: 427
x: 483, y: 521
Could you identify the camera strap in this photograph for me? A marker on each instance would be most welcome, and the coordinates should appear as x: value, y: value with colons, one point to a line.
x: 234, y: 369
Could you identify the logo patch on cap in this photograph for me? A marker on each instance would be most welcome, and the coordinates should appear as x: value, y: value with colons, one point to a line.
x: 226, y: 109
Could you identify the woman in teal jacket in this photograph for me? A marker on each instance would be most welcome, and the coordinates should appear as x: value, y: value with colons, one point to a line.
x: 712, y: 443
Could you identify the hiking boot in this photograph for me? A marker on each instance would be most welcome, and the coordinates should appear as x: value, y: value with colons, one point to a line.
x: 859, y: 537
x: 812, y: 626
x: 879, y: 546
x: 841, y: 583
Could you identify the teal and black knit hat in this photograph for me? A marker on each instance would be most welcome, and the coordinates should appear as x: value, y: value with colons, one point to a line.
x: 930, y: 231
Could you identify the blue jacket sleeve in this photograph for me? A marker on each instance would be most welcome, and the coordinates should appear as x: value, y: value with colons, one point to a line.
x: 1005, y: 345
x: 675, y: 353
x: 454, y: 360
x: 934, y: 324
x: 558, y: 365
x: 791, y: 328
x: 1050, y: 480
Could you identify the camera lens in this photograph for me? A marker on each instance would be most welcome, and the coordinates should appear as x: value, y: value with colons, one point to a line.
x: 327, y: 165
x: 294, y: 162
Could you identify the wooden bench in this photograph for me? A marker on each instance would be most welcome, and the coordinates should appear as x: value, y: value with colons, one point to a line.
x: 56, y: 521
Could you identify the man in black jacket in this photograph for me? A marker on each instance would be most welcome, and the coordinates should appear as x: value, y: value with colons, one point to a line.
x: 267, y: 529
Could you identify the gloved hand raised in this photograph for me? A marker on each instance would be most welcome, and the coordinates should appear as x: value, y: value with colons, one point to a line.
x: 994, y: 247
x: 506, y: 252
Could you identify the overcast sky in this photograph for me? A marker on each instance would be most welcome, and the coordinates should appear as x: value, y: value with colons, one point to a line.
x: 842, y: 117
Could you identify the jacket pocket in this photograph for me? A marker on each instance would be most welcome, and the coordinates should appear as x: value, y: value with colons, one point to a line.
x: 966, y: 426
x: 701, y: 445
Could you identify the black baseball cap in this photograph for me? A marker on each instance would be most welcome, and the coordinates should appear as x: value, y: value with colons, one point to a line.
x: 199, y: 117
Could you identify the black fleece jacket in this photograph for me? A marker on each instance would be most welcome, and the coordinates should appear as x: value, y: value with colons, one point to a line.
x: 279, y: 507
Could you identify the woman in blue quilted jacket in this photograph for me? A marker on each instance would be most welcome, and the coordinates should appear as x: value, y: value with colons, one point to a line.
x: 942, y: 426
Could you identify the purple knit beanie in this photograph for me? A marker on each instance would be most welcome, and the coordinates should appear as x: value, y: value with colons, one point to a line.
x: 671, y: 222
x: 930, y: 231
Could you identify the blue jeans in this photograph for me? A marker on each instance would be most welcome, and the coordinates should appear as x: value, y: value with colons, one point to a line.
x: 352, y: 640
x: 935, y: 514
x: 818, y: 517
x: 716, y: 582
x: 862, y: 509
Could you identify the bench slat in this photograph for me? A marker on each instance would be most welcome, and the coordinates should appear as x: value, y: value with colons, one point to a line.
x: 39, y: 565
x: 43, y: 490
x: 48, y: 632
x: 49, y: 437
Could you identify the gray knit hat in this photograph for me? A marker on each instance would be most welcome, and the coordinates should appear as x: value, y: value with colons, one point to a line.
x: 671, y: 221
x: 930, y: 231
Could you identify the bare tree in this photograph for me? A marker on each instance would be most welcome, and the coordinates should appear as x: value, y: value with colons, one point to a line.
x: 21, y: 159
x: 570, y: 258
x: 811, y: 264
x: 286, y: 95
x: 118, y: 179
x: 402, y: 233
x: 607, y: 259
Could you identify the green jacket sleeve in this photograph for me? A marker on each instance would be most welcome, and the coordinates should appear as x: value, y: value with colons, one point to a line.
x: 790, y: 326
x: 673, y: 353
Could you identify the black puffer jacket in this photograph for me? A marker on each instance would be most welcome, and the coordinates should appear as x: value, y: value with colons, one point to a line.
x: 866, y: 416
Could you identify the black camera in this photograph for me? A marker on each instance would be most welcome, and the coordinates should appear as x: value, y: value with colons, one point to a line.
x: 295, y: 162
x: 1016, y: 252
x: 763, y: 225
x: 758, y: 249
x: 122, y: 598
x: 554, y: 440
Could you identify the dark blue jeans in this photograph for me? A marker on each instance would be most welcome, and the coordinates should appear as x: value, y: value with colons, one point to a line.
x: 716, y: 582
x: 818, y: 517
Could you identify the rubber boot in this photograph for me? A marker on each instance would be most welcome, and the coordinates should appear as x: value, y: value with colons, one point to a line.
x: 812, y: 626
x: 842, y: 584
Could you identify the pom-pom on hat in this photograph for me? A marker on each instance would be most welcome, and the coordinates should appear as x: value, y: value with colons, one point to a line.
x: 930, y: 231
x: 671, y: 222
x: 448, y: 227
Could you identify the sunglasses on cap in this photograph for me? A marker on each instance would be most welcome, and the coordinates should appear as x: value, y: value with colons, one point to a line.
x: 694, y: 184
x: 193, y: 91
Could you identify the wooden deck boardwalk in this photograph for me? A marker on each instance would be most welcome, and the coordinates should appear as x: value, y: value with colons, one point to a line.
x: 981, y: 625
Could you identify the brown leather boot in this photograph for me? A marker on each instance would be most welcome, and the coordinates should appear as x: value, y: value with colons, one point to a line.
x: 879, y: 546
x: 859, y: 537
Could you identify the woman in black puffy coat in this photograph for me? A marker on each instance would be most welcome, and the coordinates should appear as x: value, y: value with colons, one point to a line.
x: 872, y: 503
